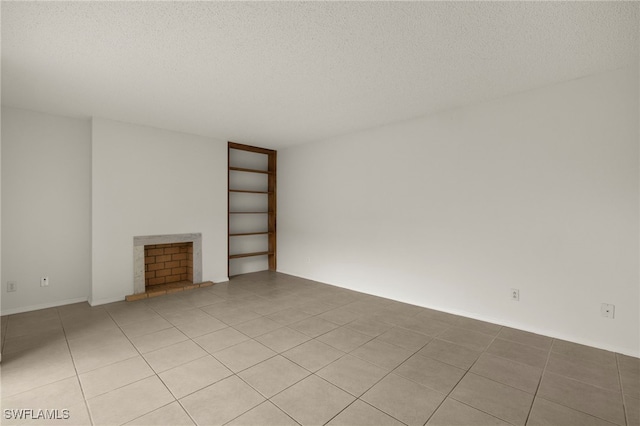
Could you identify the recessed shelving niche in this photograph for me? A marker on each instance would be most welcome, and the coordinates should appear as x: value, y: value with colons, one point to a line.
x: 252, y: 209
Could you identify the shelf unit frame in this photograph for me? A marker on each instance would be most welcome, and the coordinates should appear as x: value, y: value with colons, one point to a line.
x: 271, y: 204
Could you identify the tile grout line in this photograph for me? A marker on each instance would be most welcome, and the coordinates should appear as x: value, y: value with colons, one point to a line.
x: 265, y: 398
x: 587, y: 383
x: 127, y: 337
x: 624, y: 405
x: 463, y: 376
x: 75, y: 368
x: 358, y: 398
x: 151, y: 368
x: 544, y: 369
x: 316, y: 338
x: 276, y: 354
x: 314, y: 373
x: 233, y: 373
x: 163, y: 382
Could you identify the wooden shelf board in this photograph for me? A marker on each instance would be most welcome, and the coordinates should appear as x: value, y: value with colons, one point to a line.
x: 248, y: 212
x: 243, y: 169
x: 243, y: 147
x: 245, y: 191
x: 249, y: 233
x: 258, y: 253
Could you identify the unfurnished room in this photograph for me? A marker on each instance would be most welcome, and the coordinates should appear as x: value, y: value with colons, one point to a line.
x: 320, y: 213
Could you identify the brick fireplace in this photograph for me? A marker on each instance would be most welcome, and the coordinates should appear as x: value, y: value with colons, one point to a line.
x: 165, y: 259
x: 168, y: 263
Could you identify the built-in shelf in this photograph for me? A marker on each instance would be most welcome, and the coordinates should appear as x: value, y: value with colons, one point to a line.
x: 241, y: 255
x: 248, y: 212
x: 243, y: 159
x: 245, y: 191
x: 242, y: 169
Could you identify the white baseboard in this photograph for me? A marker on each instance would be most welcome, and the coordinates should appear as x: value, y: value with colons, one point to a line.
x: 98, y: 302
x: 543, y: 332
x: 42, y: 306
x: 505, y: 323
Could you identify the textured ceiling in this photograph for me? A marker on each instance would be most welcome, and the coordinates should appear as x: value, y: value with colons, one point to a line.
x: 281, y: 73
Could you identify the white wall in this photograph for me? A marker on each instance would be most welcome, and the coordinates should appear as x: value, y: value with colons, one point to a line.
x: 2, y: 325
x: 46, y: 209
x: 149, y: 181
x: 537, y: 191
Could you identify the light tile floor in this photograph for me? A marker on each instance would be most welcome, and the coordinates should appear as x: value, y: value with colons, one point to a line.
x: 272, y: 349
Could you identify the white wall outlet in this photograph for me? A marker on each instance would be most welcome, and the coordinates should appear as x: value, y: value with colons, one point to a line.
x: 12, y: 286
x: 607, y: 310
x: 515, y: 294
x: 44, y: 282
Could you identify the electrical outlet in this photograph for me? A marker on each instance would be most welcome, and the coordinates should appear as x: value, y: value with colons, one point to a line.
x: 607, y: 310
x: 44, y: 282
x: 515, y: 294
x: 12, y: 286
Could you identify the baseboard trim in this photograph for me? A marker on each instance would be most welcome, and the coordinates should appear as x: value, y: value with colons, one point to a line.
x: 543, y: 332
x: 505, y: 323
x: 98, y: 302
x: 30, y: 308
